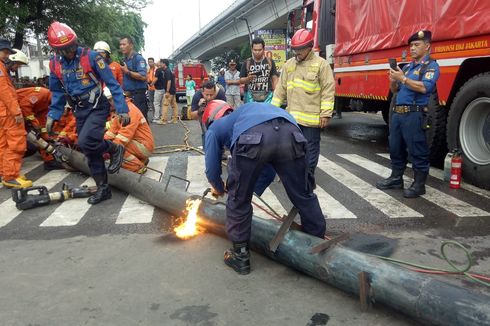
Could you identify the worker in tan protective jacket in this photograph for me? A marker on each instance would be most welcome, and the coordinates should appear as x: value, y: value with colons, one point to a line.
x: 136, y: 137
x: 12, y: 130
x: 307, y: 85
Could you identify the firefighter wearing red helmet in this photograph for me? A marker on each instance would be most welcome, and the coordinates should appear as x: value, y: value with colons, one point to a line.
x: 79, y: 73
x: 258, y: 135
x: 307, y: 85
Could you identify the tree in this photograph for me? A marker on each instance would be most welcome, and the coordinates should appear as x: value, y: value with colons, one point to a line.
x: 238, y: 54
x: 90, y: 19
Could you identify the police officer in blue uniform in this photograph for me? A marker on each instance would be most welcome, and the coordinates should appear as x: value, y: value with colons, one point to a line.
x: 410, y: 117
x: 76, y: 76
x: 257, y: 134
x: 134, y: 70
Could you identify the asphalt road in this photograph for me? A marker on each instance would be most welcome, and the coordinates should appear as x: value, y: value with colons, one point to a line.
x: 118, y: 263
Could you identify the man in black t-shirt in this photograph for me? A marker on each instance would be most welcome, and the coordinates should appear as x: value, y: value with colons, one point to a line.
x: 158, y: 82
x: 259, y: 74
x: 169, y: 97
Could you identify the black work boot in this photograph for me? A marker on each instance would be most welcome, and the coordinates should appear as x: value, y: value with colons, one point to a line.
x: 117, y: 157
x: 103, y: 190
x: 395, y: 181
x: 238, y: 258
x: 417, y: 187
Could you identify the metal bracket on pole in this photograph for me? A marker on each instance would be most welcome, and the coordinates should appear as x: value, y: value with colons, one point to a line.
x: 364, y: 291
x: 177, y: 177
x: 286, y: 223
x: 327, y: 244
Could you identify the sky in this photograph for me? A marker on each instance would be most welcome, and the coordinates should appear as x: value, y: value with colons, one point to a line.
x: 185, y: 17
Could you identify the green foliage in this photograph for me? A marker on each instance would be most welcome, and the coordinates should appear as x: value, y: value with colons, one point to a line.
x: 238, y: 54
x: 92, y: 20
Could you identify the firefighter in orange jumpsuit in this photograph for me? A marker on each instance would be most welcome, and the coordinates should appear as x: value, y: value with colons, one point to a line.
x: 34, y: 103
x: 136, y: 137
x: 12, y: 130
x: 105, y: 51
x: 66, y: 129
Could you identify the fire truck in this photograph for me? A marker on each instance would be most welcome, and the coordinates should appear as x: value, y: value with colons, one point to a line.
x: 196, y: 69
x: 359, y: 36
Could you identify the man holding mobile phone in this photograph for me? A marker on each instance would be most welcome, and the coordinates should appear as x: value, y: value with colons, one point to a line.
x: 414, y: 85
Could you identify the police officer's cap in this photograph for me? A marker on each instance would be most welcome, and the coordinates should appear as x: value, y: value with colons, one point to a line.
x: 5, y: 45
x: 421, y: 36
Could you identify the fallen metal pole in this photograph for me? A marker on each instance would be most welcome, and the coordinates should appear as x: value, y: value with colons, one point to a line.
x: 425, y: 298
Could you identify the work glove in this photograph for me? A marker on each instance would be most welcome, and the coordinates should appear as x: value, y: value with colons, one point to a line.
x: 49, y: 125
x: 124, y: 119
x: 216, y: 193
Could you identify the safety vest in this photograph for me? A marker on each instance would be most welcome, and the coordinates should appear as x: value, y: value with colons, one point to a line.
x: 56, y: 67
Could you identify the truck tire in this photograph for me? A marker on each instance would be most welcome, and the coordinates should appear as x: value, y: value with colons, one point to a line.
x: 436, y: 134
x: 468, y: 129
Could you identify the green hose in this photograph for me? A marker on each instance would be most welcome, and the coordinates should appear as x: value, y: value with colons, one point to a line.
x: 455, y: 269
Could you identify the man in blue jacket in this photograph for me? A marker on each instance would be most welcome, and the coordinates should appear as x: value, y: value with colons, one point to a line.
x: 257, y: 134
x: 77, y: 75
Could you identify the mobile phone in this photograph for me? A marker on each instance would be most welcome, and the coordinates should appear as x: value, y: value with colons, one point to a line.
x: 393, y: 64
x: 121, y: 62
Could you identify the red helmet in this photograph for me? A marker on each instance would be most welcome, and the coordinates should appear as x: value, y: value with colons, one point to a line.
x: 215, y: 110
x: 61, y: 35
x: 303, y: 38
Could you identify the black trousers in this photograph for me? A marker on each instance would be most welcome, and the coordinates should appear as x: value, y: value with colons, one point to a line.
x: 140, y: 100
x: 282, y: 145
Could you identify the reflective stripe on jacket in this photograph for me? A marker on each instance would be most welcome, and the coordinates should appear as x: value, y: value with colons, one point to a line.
x: 308, y: 87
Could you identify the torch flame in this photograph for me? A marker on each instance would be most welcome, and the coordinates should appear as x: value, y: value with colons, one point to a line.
x: 189, y: 227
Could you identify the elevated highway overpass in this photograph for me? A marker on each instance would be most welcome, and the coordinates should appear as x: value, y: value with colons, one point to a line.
x: 231, y: 28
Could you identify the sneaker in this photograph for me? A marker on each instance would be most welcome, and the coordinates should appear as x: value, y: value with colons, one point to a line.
x: 18, y: 183
x: 161, y: 122
x: 175, y: 120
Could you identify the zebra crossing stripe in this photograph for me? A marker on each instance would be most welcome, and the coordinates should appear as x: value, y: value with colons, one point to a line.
x: 270, y: 198
x: 439, y: 174
x: 379, y: 199
x: 331, y: 207
x: 447, y: 202
x: 27, y: 166
x: 69, y: 212
x: 196, y: 174
x: 136, y: 211
x: 49, y: 180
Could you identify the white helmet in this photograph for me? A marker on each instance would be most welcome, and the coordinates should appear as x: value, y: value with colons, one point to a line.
x: 107, y: 92
x: 102, y: 46
x: 19, y: 56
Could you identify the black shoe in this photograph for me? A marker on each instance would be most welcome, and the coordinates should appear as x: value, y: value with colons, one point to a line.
x: 53, y: 165
x: 238, y: 258
x: 417, y: 188
x: 117, y: 157
x: 103, y: 190
x: 395, y: 181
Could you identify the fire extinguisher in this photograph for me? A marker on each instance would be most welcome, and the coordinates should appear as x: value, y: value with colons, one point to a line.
x: 456, y: 165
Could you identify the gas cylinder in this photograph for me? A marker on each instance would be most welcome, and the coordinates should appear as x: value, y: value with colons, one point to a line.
x: 456, y: 165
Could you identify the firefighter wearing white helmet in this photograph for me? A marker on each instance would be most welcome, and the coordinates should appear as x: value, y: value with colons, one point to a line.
x: 105, y: 51
x: 19, y: 57
x: 102, y: 46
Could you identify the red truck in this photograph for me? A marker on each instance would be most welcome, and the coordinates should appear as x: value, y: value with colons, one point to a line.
x: 359, y: 36
x: 182, y: 69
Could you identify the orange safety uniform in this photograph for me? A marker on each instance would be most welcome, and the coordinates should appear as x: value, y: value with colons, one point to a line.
x: 151, y: 78
x: 12, y: 135
x: 34, y: 103
x: 117, y: 71
x: 136, y: 137
x: 66, y: 127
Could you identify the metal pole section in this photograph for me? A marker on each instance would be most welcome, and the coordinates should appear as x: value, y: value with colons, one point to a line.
x: 422, y: 297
